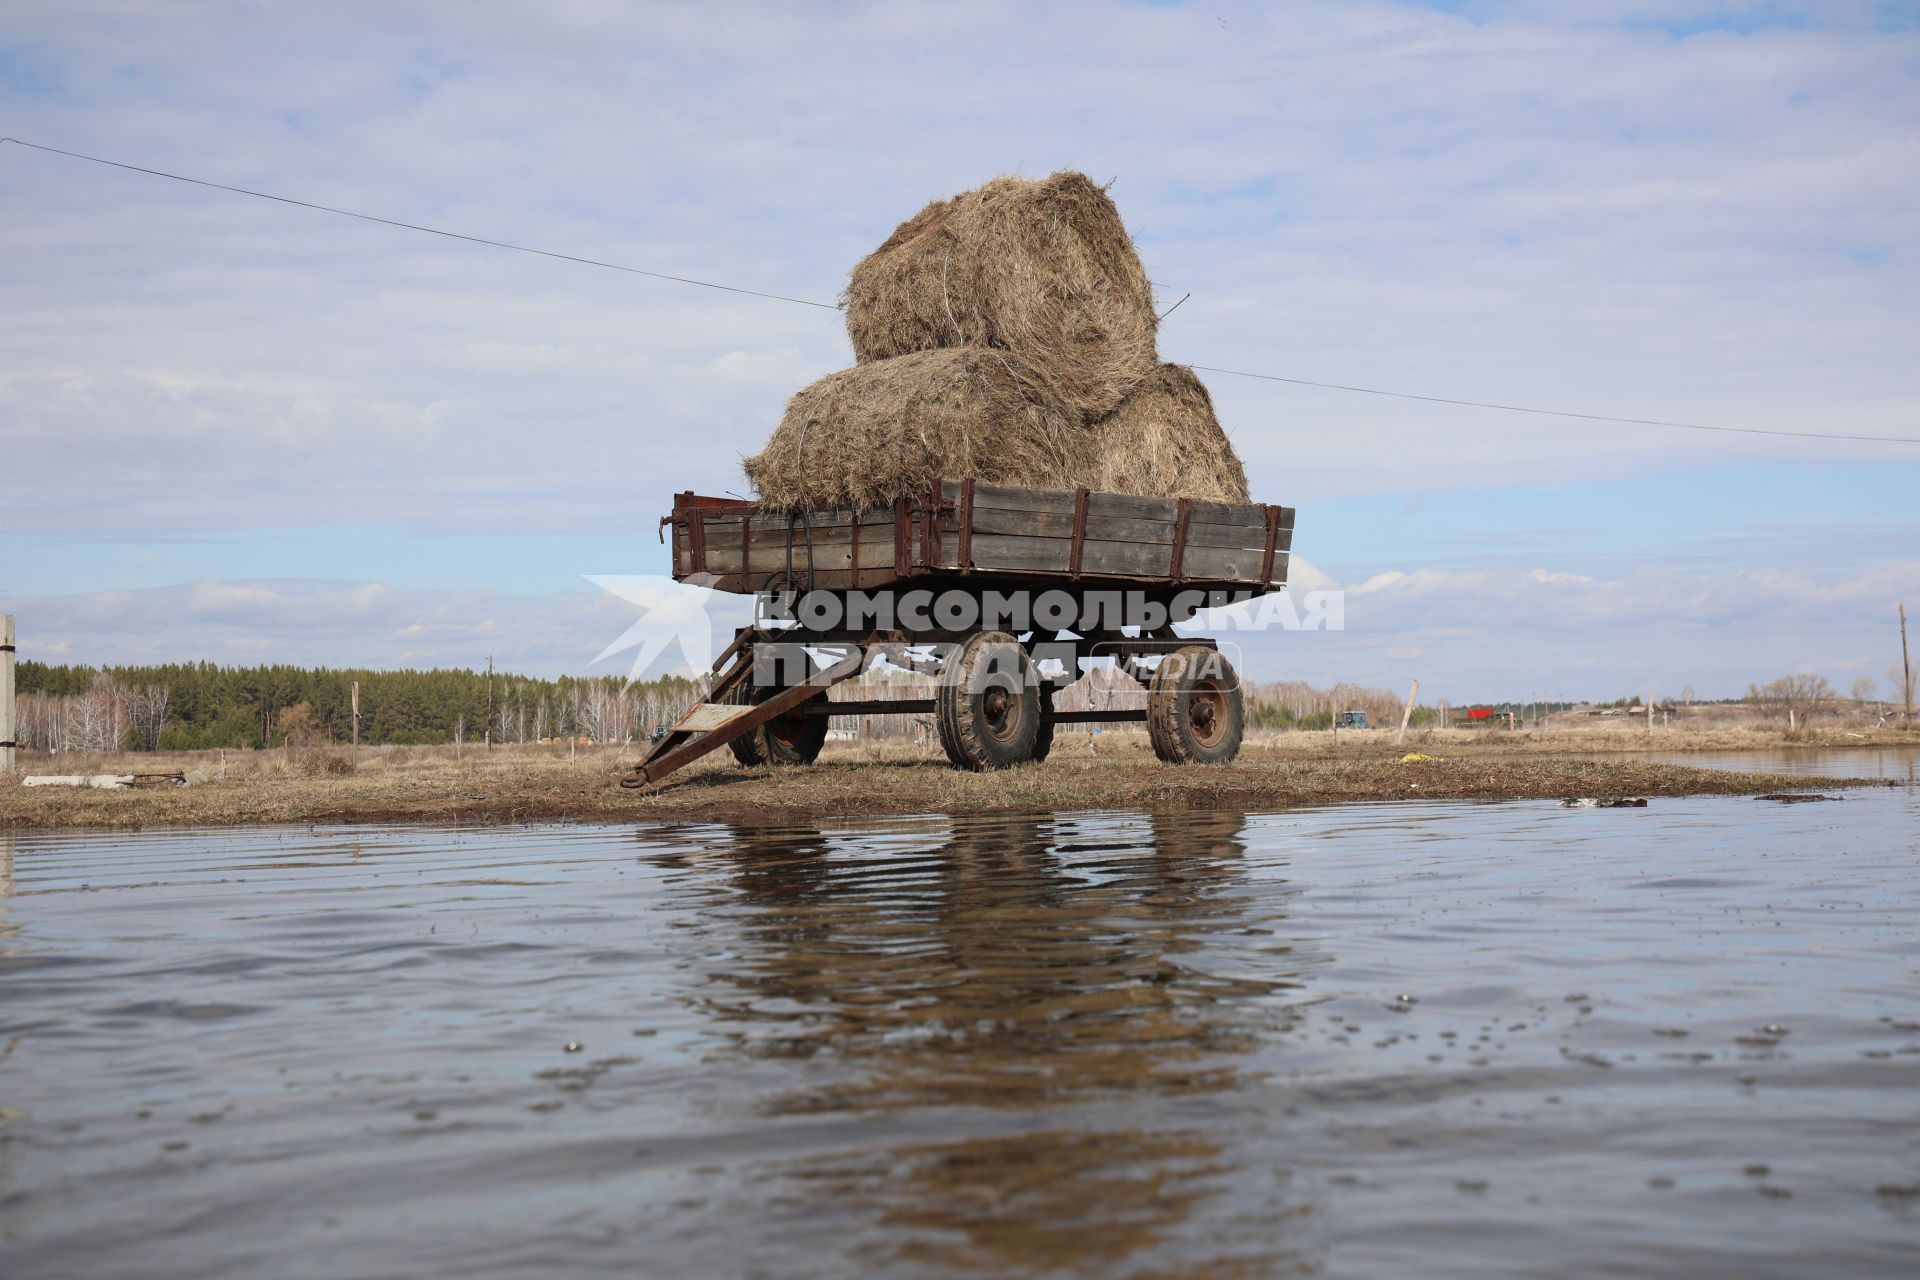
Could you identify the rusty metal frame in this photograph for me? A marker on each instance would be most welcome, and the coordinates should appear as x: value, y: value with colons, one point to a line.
x: 902, y: 539
x: 1174, y: 566
x: 1079, y: 544
x: 1273, y: 535
x: 963, y: 552
x: 930, y: 527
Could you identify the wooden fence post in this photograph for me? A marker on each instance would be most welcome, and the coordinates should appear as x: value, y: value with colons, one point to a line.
x: 1907, y: 670
x: 7, y: 731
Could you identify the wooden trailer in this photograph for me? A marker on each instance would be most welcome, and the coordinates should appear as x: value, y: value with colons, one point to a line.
x: 1136, y: 565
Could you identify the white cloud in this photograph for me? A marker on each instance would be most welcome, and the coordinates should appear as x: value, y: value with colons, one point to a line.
x: 1715, y: 228
x: 1503, y: 633
x: 332, y: 623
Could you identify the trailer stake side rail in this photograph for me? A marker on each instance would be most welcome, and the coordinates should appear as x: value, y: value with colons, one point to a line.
x: 960, y: 530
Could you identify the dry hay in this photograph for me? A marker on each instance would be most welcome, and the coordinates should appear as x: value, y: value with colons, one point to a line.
x: 867, y: 435
x: 1164, y: 442
x: 1043, y: 269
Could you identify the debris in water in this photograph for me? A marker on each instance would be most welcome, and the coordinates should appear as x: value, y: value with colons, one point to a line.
x: 1795, y: 797
x: 574, y: 1046
x: 1588, y: 802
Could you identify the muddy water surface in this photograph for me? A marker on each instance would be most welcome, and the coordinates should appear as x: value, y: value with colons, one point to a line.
x: 1372, y: 1041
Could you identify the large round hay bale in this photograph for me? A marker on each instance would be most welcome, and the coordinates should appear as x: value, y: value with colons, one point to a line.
x: 1043, y: 269
x: 867, y: 435
x: 1164, y: 442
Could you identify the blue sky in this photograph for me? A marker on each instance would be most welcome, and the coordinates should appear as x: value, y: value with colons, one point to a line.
x: 225, y: 421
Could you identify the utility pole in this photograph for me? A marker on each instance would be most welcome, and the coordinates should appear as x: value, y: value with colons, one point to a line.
x: 356, y: 713
x: 7, y: 729
x: 489, y: 702
x: 1407, y: 715
x: 1907, y: 670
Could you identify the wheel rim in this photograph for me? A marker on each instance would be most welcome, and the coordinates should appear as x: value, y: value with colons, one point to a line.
x: 1207, y: 712
x: 996, y: 713
x: 788, y: 730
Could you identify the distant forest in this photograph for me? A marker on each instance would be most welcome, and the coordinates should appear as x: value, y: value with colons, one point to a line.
x: 197, y: 706
x: 194, y: 706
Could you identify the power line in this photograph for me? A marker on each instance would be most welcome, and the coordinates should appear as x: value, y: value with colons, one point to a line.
x: 414, y: 226
x: 1555, y: 413
x: 829, y: 306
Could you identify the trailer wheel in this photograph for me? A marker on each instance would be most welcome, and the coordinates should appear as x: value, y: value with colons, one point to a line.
x: 1194, y: 712
x: 1043, y: 739
x: 789, y: 739
x: 987, y: 705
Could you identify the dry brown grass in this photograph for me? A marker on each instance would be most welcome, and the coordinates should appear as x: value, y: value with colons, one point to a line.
x: 1164, y: 441
x: 434, y: 784
x: 866, y: 435
x: 1041, y: 268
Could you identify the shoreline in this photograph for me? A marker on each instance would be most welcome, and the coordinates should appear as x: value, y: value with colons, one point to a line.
x: 852, y: 781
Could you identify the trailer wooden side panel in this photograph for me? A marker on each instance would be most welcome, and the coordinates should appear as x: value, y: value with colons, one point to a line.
x: 999, y: 534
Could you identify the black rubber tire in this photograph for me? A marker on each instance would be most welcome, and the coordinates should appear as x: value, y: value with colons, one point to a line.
x: 746, y: 747
x: 1194, y: 709
x: 987, y: 704
x: 788, y: 739
x: 1043, y: 739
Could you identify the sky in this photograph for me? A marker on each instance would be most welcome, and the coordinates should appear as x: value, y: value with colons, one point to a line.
x: 242, y: 431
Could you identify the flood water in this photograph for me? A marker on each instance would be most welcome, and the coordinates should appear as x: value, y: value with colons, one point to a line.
x: 1889, y: 764
x: 1407, y: 1040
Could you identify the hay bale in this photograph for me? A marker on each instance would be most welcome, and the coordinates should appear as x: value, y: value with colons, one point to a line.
x: 1163, y: 442
x: 867, y: 435
x: 1043, y: 269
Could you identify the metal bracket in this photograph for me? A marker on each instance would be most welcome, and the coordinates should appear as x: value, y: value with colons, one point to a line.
x: 1185, y: 510
x: 1079, y: 544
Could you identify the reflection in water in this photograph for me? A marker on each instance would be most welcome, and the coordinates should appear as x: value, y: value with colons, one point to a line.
x: 1007, y: 963
x: 8, y: 931
x: 1899, y: 765
x: 1372, y: 1041
x: 1051, y: 1201
x: 1010, y: 964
